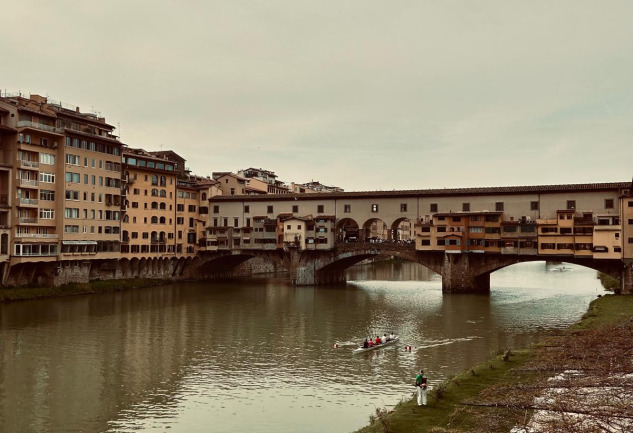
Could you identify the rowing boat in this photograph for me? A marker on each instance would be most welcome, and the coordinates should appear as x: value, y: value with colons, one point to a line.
x: 376, y: 346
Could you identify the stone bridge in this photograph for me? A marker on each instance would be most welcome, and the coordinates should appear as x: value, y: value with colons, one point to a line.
x: 461, y: 273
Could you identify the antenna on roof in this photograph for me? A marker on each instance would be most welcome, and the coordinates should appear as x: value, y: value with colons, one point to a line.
x: 119, y: 128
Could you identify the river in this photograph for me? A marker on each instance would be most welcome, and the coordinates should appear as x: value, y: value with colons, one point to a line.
x: 258, y: 355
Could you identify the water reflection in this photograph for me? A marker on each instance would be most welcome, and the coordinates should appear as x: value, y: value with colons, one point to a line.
x: 258, y: 354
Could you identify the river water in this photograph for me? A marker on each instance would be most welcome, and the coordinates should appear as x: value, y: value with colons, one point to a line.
x: 258, y: 355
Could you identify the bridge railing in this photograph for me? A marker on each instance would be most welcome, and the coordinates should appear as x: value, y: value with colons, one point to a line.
x: 386, y: 245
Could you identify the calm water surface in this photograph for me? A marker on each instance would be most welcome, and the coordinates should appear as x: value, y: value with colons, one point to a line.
x: 258, y: 355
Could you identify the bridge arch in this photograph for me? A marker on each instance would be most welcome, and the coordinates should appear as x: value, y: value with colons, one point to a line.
x: 402, y: 229
x: 347, y: 230
x: 376, y: 229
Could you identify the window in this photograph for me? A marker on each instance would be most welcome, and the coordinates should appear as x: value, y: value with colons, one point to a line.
x: 192, y: 208
x: 47, y: 214
x: 47, y: 158
x: 216, y: 208
x: 476, y: 229
x: 269, y: 209
x: 499, y: 206
x: 403, y: 207
x: 72, y: 159
x: 533, y: 205
x: 72, y: 177
x: 47, y: 177
x: 72, y: 195
x: 571, y: 204
x: 347, y: 208
x: 247, y: 209
x: 608, y: 203
x: 433, y: 207
x: 71, y: 212
x: 235, y: 222
x: 374, y: 207
x: 295, y: 208
x: 47, y: 195
x: 320, y: 208
x: 465, y: 207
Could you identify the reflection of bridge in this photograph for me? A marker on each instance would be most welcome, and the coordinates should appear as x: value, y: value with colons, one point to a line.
x: 460, y: 273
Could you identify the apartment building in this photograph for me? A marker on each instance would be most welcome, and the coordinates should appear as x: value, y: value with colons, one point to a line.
x: 63, y: 187
x: 165, y: 208
x: 149, y: 192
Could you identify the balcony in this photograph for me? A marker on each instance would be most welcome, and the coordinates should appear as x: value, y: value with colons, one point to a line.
x: 28, y: 182
x: 38, y: 126
x: 28, y: 202
x: 23, y: 220
x: 28, y: 164
x: 37, y: 236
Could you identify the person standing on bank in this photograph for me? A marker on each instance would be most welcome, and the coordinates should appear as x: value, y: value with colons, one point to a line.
x: 421, y: 384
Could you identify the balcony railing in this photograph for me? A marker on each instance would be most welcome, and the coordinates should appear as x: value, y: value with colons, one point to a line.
x: 28, y: 220
x: 29, y: 201
x: 28, y: 182
x: 37, y: 235
x: 29, y: 164
x: 29, y: 124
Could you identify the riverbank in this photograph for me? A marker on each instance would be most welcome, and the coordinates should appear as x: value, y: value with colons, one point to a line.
x: 98, y: 286
x: 507, y: 390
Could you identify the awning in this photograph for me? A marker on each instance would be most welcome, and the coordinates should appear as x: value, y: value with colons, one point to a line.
x: 79, y: 242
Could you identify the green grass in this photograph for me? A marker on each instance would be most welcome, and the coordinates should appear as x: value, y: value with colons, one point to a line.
x: 97, y: 286
x: 606, y: 310
x: 409, y: 417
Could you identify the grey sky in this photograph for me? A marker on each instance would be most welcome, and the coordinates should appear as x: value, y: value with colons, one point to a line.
x: 359, y: 94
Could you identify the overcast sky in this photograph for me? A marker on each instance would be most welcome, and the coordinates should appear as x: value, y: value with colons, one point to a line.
x: 366, y: 95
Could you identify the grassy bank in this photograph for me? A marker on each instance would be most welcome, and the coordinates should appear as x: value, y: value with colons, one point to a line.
x: 97, y: 286
x: 498, y: 394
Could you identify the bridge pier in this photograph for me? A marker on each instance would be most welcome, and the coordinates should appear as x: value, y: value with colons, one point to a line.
x: 626, y: 279
x: 459, y: 276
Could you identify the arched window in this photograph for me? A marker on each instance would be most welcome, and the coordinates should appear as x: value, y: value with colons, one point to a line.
x: 154, y: 192
x: 154, y: 205
x: 154, y: 220
x: 126, y: 219
x: 163, y: 193
x: 162, y: 220
x: 154, y: 179
x: 154, y: 237
x: 163, y: 181
x: 162, y: 237
x: 162, y: 206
